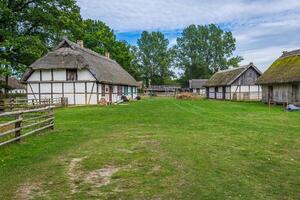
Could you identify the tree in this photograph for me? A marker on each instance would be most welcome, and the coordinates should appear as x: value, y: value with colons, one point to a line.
x: 30, y: 27
x: 204, y: 50
x: 154, y: 58
x: 101, y: 39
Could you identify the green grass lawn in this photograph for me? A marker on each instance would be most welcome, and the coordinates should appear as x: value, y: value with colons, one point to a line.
x: 159, y: 149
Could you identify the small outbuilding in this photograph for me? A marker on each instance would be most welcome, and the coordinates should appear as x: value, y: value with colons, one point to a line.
x: 235, y: 84
x: 14, y: 86
x: 79, y: 74
x: 281, y: 82
x: 197, y: 86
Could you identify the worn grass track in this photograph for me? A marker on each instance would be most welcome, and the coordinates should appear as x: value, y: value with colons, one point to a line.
x: 159, y: 149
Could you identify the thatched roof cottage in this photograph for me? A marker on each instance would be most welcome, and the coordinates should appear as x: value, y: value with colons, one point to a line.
x: 14, y: 86
x: 81, y: 75
x: 281, y: 82
x: 234, y: 84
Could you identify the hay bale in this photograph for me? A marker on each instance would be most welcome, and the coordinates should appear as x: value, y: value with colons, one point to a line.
x: 185, y: 95
x: 103, y: 102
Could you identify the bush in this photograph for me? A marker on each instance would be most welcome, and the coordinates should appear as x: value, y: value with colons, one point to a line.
x: 138, y: 98
x: 124, y: 98
x: 152, y: 94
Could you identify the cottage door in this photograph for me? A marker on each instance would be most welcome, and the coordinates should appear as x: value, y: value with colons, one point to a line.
x: 224, y: 93
x: 295, y: 93
x: 110, y: 93
x: 270, y: 94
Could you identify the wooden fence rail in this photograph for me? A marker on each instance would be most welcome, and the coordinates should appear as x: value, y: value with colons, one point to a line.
x: 19, y: 124
x: 14, y: 104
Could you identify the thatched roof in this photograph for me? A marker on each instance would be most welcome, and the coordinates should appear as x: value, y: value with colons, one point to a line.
x: 69, y: 55
x: 227, y: 77
x: 285, y: 69
x: 197, y: 83
x: 13, y: 83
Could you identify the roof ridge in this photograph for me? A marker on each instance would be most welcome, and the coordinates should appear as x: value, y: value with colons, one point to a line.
x: 290, y: 53
x: 234, y: 68
x: 89, y: 50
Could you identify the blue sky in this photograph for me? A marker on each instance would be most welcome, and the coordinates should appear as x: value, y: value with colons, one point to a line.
x: 263, y: 28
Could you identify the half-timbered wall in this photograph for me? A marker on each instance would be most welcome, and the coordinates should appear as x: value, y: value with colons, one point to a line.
x: 243, y: 88
x: 46, y: 84
x: 236, y: 92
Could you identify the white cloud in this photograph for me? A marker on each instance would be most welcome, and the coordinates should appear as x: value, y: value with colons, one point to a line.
x: 263, y: 28
x: 128, y: 15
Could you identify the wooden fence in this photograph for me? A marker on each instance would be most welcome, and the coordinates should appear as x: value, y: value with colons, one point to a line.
x: 19, y: 124
x: 14, y: 104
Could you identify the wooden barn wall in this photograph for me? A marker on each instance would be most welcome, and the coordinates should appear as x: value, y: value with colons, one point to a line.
x: 282, y: 93
x: 249, y: 77
x: 47, y: 84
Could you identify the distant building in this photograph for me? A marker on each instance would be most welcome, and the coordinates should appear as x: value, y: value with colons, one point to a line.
x: 165, y: 90
x: 197, y: 86
x: 235, y: 84
x: 14, y: 86
x: 81, y: 75
x: 281, y: 82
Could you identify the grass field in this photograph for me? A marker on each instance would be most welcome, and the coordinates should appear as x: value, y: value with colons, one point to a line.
x: 159, y: 149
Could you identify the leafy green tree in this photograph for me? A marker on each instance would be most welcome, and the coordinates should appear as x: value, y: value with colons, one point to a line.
x: 28, y: 28
x: 101, y: 39
x: 204, y: 50
x: 154, y: 58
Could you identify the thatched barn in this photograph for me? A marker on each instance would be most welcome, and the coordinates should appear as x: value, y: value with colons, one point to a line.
x: 13, y: 85
x: 281, y: 82
x: 81, y: 75
x: 234, y: 84
x: 197, y: 86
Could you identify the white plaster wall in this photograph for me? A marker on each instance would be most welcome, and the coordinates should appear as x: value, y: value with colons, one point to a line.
x: 93, y: 99
x: 45, y: 96
x: 99, y: 88
x: 34, y: 88
x: 56, y: 96
x: 234, y: 89
x: 35, y: 76
x: 59, y: 75
x: 255, y: 88
x: 80, y: 88
x: 85, y: 75
x: 91, y: 87
x: 80, y: 98
x: 57, y: 87
x: 46, y: 75
x: 30, y: 96
x: 68, y: 88
x: 70, y: 98
x: 45, y: 88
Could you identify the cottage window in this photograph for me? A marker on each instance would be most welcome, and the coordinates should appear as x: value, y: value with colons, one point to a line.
x: 71, y: 74
x: 103, y: 90
x: 126, y: 90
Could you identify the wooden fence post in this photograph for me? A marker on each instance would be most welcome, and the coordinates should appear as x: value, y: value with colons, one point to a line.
x: 51, y: 114
x: 2, y: 105
x: 18, y: 126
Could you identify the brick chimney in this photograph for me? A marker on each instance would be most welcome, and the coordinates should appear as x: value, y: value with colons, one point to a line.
x: 80, y: 43
x: 107, y: 55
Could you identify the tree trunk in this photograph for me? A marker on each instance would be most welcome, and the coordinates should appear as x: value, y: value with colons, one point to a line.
x: 6, y: 82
